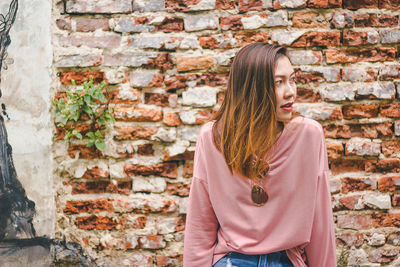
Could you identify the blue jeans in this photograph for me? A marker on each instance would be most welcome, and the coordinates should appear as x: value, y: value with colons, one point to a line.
x: 235, y: 259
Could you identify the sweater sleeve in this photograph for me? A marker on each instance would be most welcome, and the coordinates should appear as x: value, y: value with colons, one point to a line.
x: 201, y: 227
x: 321, y: 251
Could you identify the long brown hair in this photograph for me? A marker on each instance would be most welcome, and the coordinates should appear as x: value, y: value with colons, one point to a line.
x: 246, y: 123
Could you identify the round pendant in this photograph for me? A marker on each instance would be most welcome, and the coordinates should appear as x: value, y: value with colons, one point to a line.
x: 259, y: 195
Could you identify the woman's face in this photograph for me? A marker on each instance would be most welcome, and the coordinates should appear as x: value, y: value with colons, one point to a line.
x: 285, y: 88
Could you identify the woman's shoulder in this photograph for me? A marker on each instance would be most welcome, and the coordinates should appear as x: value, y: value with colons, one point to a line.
x: 308, y: 125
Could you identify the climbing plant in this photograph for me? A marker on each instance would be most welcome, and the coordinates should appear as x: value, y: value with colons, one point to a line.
x: 88, y: 102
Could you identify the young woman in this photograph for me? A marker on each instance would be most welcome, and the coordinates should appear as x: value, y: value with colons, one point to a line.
x: 260, y: 192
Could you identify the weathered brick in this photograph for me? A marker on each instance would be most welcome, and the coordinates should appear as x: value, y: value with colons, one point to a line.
x: 308, y: 19
x: 393, y: 239
x: 383, y: 165
x: 305, y: 57
x: 101, y: 187
x: 347, y: 165
x: 131, y: 25
x: 250, y: 5
x: 351, y: 239
x: 396, y: 201
x: 307, y: 95
x: 90, y: 24
x: 169, y: 170
x: 320, y: 113
x: 225, y: 4
x: 170, y: 24
x: 324, y: 3
x: 124, y: 96
x: 317, y: 39
x: 149, y: 185
x: 196, y: 116
x: 162, y: 100
x: 64, y: 24
x: 386, y: 220
x: 382, y: 255
x: 200, y: 22
x: 95, y: 173
x: 194, y: 63
x: 152, y: 242
x: 335, y: 150
x: 354, y: 202
x: 341, y: 20
x: 391, y: 148
x: 360, y: 111
x: 96, y: 222
x: 390, y: 36
x: 95, y: 6
x: 359, y: 74
x: 360, y: 55
x: 397, y: 127
x: 80, y: 77
x: 170, y: 154
x: 216, y: 41
x: 109, y: 41
x: 165, y: 261
x: 187, y: 169
x: 389, y: 4
x: 349, y: 4
x: 171, y: 118
x: 273, y: 19
x: 145, y: 78
x: 149, y: 204
x: 245, y: 38
x: 375, y: 20
x: 289, y: 4
x: 390, y: 110
x: 90, y: 60
x: 316, y: 75
x: 137, y: 114
x: 231, y: 23
x: 390, y: 183
x: 148, y: 5
x: 375, y: 91
x: 179, y: 189
x: 351, y: 37
x: 356, y: 222
x: 132, y: 222
x: 84, y: 152
x: 87, y: 206
x: 134, y: 132
x: 389, y: 72
x: 204, y: 96
x: 354, y: 130
x: 362, y: 147
x: 350, y: 184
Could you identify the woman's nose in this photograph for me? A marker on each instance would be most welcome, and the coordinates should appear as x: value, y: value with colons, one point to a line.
x: 290, y: 90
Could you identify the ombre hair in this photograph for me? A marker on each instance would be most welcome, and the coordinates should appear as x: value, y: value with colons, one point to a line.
x: 246, y: 124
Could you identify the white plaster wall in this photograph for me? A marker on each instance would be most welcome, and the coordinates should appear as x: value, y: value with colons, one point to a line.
x: 26, y: 94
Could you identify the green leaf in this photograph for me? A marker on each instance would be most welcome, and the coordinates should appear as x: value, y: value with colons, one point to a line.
x: 90, y: 135
x: 99, y: 134
x: 100, y: 145
x: 91, y: 143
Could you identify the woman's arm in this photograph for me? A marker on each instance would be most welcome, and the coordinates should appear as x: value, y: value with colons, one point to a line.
x: 201, y: 227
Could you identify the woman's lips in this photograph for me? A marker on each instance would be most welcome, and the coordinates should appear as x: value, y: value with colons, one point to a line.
x: 287, y: 107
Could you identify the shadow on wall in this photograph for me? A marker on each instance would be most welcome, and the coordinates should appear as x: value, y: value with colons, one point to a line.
x: 19, y: 245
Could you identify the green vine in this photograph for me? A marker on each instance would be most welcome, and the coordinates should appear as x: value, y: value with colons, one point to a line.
x: 88, y: 101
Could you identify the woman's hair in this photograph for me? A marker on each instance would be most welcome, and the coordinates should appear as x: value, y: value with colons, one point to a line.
x: 246, y: 123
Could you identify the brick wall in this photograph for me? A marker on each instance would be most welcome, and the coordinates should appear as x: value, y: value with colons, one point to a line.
x: 166, y: 65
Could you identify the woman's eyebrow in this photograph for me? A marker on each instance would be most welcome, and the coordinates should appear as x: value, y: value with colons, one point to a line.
x: 281, y: 75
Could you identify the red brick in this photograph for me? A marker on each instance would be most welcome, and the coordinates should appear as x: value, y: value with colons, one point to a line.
x: 90, y: 24
x: 179, y: 189
x: 358, y: 130
x: 383, y: 165
x: 359, y: 75
x: 324, y: 3
x: 360, y: 111
x: 351, y: 239
x: 134, y: 132
x: 87, y: 206
x: 171, y: 118
x: 349, y: 202
x: 158, y: 99
x: 187, y: 169
x: 145, y: 150
x: 208, y: 42
x: 318, y: 39
x: 182, y: 156
x: 250, y: 5
x: 80, y: 77
x: 163, y: 62
x: 307, y: 95
x: 64, y: 24
x: 391, y: 183
x: 351, y: 37
x: 232, y: 23
x: 194, y: 63
x: 357, y: 222
x: 138, y: 114
x: 101, y: 187
x: 82, y: 127
x: 95, y: 173
x: 375, y: 20
x: 350, y: 4
x: 170, y: 25
x: 386, y: 220
x: 225, y: 4
x: 389, y: 72
x: 95, y: 6
x: 383, y: 255
x: 169, y: 170
x: 393, y: 239
x: 245, y: 38
x: 144, y: 205
x: 334, y: 150
x: 389, y: 4
x: 221, y: 41
x: 96, y: 222
x: 390, y: 110
x: 84, y: 152
x: 108, y: 42
x: 169, y: 261
x: 350, y: 184
x: 391, y: 147
x: 128, y: 96
x: 137, y: 222
x: 360, y: 55
x: 152, y: 242
x: 179, y: 5
x: 308, y: 19
x: 396, y: 201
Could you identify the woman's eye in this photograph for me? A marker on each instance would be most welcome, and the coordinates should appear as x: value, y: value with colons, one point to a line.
x: 293, y: 79
x: 278, y: 82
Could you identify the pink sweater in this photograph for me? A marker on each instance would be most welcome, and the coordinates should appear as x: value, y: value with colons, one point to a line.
x: 221, y: 216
